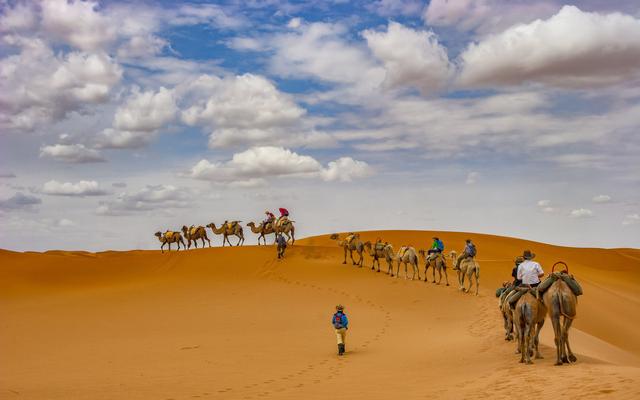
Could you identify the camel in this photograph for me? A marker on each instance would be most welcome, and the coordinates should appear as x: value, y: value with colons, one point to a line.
x: 469, y: 268
x: 285, y: 226
x: 170, y: 237
x: 350, y: 244
x: 193, y: 234
x: 453, y: 256
x: 381, y: 252
x: 408, y: 255
x: 438, y: 263
x: 562, y: 305
x: 228, y: 229
x: 528, y: 318
x: 507, y: 312
x: 262, y: 230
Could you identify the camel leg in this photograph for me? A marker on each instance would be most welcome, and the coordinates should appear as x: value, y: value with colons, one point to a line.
x: 195, y: 243
x: 446, y: 277
x: 555, y: 321
x: 435, y: 265
x: 169, y: 243
x: 162, y: 247
x: 536, y: 340
x: 477, y: 274
x: 345, y: 255
x: 353, y: 261
x: 565, y: 332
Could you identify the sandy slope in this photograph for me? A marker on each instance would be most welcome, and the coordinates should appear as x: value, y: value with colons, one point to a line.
x: 235, y: 323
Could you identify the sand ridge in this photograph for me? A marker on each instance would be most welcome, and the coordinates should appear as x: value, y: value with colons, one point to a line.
x: 236, y: 323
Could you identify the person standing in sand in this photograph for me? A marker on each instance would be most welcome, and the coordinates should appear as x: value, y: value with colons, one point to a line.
x: 340, y: 324
x: 529, y: 271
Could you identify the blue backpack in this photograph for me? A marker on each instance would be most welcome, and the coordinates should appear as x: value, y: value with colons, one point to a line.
x: 472, y: 250
x: 440, y: 245
x: 337, y: 320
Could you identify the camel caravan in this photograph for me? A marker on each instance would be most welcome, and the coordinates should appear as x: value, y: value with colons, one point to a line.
x: 466, y: 266
x: 525, y: 303
x: 193, y: 234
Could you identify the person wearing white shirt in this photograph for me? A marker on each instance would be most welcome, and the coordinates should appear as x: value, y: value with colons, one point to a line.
x: 529, y: 271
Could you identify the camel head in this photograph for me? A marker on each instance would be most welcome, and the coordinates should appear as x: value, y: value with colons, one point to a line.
x: 421, y: 252
x: 211, y: 225
x: 251, y: 224
x: 334, y: 236
x: 184, y: 229
x: 158, y: 234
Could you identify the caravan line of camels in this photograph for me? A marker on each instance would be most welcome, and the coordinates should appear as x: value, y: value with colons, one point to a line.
x: 195, y: 234
x: 407, y: 256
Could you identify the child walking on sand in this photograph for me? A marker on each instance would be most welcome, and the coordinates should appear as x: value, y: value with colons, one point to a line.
x: 340, y: 324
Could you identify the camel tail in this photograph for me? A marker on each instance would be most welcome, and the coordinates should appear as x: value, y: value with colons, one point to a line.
x: 526, y: 312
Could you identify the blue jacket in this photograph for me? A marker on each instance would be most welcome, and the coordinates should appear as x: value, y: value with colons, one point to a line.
x: 470, y: 249
x: 343, y: 319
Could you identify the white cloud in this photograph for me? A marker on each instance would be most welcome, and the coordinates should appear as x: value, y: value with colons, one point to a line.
x: 78, y: 23
x: 544, y: 203
x: 80, y: 189
x: 345, y: 169
x: 571, y: 49
x: 71, y: 153
x: 472, y: 177
x: 20, y: 17
x: 602, y: 198
x: 389, y: 8
x: 245, y: 44
x: 548, y: 209
x: 411, y: 58
x: 146, y: 111
x: 294, y: 23
x: 581, y: 213
x: 38, y: 86
x: 250, y: 167
x: 151, y: 197
x: 631, y: 219
x: 64, y: 222
x: 19, y: 201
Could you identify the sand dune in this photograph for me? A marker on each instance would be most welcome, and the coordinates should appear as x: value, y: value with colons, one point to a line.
x: 236, y: 323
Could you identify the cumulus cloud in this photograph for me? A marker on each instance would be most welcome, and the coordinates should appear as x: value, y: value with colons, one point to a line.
x: 250, y: 167
x: 80, y: 189
x: 411, y: 58
x: 544, y: 203
x: 602, y: 198
x: 545, y: 206
x: 19, y: 201
x: 39, y: 86
x: 146, y: 111
x: 581, y: 213
x: 151, y: 197
x: 573, y: 49
x: 71, y: 153
x: 631, y: 219
x: 389, y: 8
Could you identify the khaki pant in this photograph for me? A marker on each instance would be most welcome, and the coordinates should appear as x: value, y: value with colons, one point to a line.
x: 341, y: 334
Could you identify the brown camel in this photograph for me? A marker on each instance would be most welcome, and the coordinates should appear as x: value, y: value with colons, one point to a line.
x: 381, y: 251
x: 562, y: 305
x: 437, y: 262
x: 469, y: 268
x: 227, y: 229
x: 350, y: 244
x: 528, y: 319
x: 285, y: 226
x: 453, y: 256
x: 170, y: 237
x: 262, y: 230
x: 507, y: 312
x: 407, y: 255
x: 195, y: 233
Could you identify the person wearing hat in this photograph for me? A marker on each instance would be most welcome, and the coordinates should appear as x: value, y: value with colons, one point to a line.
x: 514, y: 271
x: 437, y: 246
x: 469, y: 252
x: 340, y: 324
x: 529, y: 271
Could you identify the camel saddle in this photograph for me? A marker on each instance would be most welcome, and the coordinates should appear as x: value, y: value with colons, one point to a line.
x: 518, y: 292
x: 282, y: 221
x: 168, y: 235
x: 568, y: 279
x: 436, y: 257
x: 193, y: 230
x: 402, y: 251
x: 380, y: 246
x: 231, y: 225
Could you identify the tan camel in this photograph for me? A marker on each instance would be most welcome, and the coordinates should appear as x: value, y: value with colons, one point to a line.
x: 453, y: 256
x: 469, y: 268
x: 262, y: 230
x: 380, y: 251
x: 170, y: 237
x: 528, y: 318
x: 227, y: 229
x: 195, y: 233
x: 285, y: 226
x: 507, y: 312
x: 437, y: 262
x: 350, y: 244
x: 407, y: 255
x: 562, y: 305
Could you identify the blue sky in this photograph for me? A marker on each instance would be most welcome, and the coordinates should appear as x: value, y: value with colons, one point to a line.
x: 518, y: 118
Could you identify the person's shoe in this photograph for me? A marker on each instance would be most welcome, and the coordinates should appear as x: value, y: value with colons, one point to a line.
x: 341, y: 349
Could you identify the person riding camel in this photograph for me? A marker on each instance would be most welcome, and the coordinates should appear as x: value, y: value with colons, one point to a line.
x: 514, y: 272
x: 529, y: 271
x: 437, y: 247
x: 469, y: 252
x: 269, y: 220
x: 284, y: 217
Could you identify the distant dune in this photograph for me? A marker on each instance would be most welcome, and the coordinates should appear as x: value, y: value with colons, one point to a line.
x: 235, y: 323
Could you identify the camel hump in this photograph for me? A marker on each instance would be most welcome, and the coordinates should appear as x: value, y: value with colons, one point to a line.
x: 193, y: 230
x: 232, y: 224
x: 169, y: 235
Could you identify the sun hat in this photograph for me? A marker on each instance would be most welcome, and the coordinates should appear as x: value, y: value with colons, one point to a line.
x: 528, y: 255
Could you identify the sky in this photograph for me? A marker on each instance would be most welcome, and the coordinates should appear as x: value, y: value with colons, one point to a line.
x: 507, y: 117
